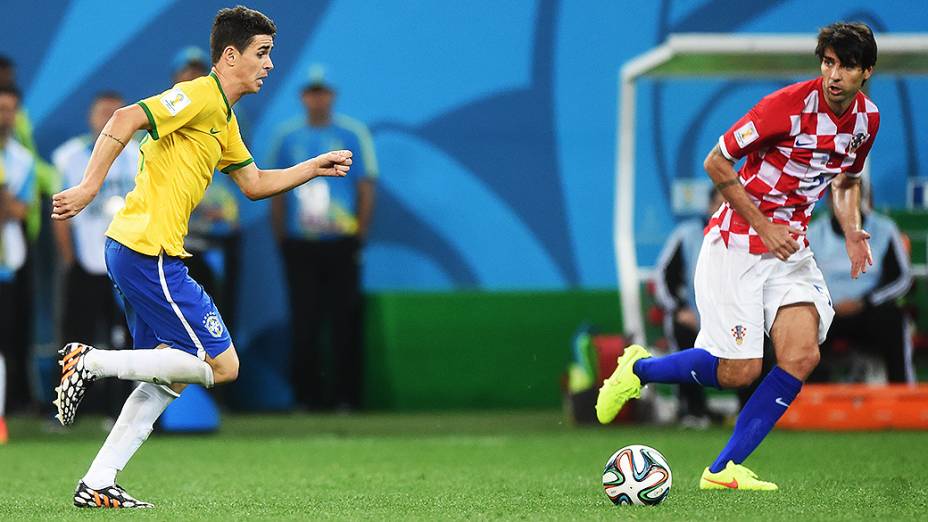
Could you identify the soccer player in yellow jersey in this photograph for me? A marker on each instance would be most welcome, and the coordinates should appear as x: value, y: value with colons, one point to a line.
x: 192, y: 131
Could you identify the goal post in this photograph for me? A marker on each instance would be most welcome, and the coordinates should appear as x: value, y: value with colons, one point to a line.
x: 707, y: 55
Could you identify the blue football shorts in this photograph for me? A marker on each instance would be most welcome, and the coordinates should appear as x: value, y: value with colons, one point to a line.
x: 163, y: 304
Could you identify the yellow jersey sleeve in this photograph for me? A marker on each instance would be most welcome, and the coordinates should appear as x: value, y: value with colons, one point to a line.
x: 235, y: 154
x: 174, y: 108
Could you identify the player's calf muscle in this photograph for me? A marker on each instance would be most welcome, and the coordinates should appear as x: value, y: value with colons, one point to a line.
x: 738, y: 373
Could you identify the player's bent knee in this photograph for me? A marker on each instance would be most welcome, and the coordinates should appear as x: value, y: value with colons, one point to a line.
x: 225, y: 374
x: 225, y: 366
x: 803, y: 363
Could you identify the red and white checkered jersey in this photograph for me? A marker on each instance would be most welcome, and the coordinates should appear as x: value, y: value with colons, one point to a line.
x: 795, y: 146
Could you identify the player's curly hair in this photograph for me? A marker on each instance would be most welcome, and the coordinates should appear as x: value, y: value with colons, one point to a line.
x: 236, y: 26
x: 853, y: 42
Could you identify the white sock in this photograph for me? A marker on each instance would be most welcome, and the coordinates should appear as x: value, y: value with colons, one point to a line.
x: 164, y: 366
x: 136, y: 421
x: 2, y: 386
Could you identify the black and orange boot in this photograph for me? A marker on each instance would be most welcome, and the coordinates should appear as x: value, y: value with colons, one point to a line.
x: 113, y: 497
x: 75, y: 379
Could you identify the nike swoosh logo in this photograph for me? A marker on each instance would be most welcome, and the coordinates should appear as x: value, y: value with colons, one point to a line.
x: 733, y: 484
x: 213, y: 131
x: 781, y: 403
x: 693, y: 373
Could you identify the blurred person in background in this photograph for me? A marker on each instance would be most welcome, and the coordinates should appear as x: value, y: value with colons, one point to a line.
x: 321, y: 227
x: 48, y: 180
x: 15, y: 198
x: 189, y: 64
x: 22, y: 127
x: 81, y: 240
x: 673, y: 283
x: 868, y: 314
x: 213, y: 235
x: 36, y: 292
x: 4, y: 434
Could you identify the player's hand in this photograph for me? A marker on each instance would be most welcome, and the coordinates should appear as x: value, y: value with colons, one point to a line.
x: 686, y: 316
x: 858, y: 251
x: 68, y: 203
x: 334, y: 163
x: 779, y: 240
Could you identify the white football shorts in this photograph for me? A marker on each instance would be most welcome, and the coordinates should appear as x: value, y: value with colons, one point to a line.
x: 738, y: 295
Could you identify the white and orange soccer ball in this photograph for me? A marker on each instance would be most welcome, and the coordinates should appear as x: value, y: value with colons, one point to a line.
x: 637, y: 474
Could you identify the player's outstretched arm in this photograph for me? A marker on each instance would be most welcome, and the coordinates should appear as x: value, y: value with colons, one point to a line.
x: 117, y: 132
x: 777, y: 238
x: 257, y: 184
x: 845, y: 193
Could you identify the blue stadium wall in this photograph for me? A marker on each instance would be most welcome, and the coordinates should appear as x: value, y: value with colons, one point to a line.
x: 494, y: 123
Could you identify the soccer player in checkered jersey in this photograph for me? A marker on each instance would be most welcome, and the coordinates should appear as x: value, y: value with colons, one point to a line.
x: 177, y: 332
x: 755, y: 271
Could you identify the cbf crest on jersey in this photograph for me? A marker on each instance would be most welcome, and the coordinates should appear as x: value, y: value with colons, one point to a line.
x: 738, y: 332
x: 213, y: 324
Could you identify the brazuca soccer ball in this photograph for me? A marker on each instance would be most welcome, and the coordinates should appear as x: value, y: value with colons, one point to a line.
x: 637, y: 474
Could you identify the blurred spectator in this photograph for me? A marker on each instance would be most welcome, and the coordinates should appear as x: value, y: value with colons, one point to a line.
x: 674, y: 291
x: 34, y: 288
x: 322, y: 226
x: 47, y: 180
x: 868, y: 315
x: 15, y: 198
x: 214, y: 235
x: 4, y: 435
x: 90, y: 311
x: 7, y: 71
x: 189, y: 64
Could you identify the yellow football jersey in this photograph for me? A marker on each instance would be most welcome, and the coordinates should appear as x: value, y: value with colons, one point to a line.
x: 193, y: 133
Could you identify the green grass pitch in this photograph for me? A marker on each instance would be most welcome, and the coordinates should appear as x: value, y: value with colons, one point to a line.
x: 457, y: 466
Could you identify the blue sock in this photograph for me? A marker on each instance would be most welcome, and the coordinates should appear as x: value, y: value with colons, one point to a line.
x: 762, y: 411
x: 693, y: 365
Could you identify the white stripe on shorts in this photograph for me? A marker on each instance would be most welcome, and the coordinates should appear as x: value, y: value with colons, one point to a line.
x: 201, y: 353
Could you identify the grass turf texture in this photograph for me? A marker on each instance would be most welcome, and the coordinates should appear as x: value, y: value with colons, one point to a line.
x: 525, y: 465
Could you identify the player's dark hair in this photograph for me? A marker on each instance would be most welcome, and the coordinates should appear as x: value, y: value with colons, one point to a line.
x: 107, y: 95
x: 11, y: 90
x: 236, y: 26
x: 853, y: 43
x: 5, y: 62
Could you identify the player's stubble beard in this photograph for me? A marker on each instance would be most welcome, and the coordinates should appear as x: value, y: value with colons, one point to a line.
x: 836, y: 100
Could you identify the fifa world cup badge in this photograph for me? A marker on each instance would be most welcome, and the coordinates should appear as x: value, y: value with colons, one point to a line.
x: 738, y: 333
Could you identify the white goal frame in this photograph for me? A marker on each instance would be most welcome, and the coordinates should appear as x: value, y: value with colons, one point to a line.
x: 748, y: 56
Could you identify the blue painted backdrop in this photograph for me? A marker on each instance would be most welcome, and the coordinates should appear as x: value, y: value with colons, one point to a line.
x: 494, y: 121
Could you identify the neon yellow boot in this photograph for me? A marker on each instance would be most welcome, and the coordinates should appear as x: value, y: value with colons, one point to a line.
x: 734, y: 476
x: 621, y: 386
